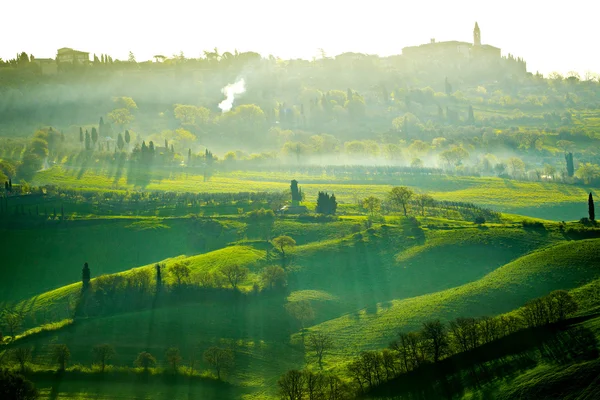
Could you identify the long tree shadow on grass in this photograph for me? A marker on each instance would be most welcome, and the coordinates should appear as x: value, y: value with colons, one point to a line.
x: 502, y: 359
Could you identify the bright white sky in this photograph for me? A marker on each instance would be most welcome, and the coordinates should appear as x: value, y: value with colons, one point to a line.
x: 552, y: 35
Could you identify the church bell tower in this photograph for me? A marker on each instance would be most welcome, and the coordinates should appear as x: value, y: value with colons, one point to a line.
x: 476, y: 35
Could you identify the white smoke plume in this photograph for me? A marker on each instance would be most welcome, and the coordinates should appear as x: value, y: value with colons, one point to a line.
x: 230, y: 91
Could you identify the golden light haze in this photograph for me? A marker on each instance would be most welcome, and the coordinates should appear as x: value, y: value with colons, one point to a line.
x: 550, y: 36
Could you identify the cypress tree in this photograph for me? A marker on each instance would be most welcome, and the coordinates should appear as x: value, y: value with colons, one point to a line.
x: 570, y: 166
x: 127, y: 137
x: 88, y: 144
x: 85, y: 276
x: 471, y: 115
x: 158, y: 278
x: 94, y: 136
x: 296, y: 194
x: 80, y: 135
x: 591, y: 210
x: 332, y: 204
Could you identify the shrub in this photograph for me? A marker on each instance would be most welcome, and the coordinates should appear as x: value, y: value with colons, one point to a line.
x: 479, y: 220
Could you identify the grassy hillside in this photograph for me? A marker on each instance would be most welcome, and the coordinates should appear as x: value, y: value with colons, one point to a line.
x: 561, y: 266
x: 361, y: 270
x: 48, y: 255
x: 388, y: 263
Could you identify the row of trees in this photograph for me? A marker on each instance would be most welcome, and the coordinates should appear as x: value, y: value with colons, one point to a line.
x: 436, y: 340
x: 219, y: 358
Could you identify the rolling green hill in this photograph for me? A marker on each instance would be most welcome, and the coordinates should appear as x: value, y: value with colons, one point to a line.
x: 561, y: 266
x: 396, y: 276
x: 51, y: 254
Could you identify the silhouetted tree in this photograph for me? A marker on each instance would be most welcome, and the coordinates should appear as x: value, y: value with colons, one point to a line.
x: 22, y: 355
x: 158, y: 278
x: 85, y: 276
x: 12, y: 321
x: 81, y: 136
x: 234, y: 274
x: 145, y: 360
x: 471, y: 117
x: 173, y: 357
x: 291, y: 385
x: 400, y: 196
x: 282, y: 243
x: 436, y: 338
x: 591, y: 209
x: 102, y: 354
x: 326, y: 204
x: 422, y: 201
x: 61, y: 355
x: 319, y: 343
x: 218, y: 358
x: 127, y: 137
x: 296, y: 193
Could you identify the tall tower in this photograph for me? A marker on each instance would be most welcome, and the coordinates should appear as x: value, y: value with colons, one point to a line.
x: 476, y: 35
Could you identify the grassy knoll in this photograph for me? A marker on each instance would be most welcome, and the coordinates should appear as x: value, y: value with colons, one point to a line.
x: 561, y: 266
x: 388, y: 263
x: 51, y: 254
x: 345, y: 274
x: 548, y: 200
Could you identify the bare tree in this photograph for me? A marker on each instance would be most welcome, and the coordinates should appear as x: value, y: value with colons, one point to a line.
x: 22, y: 355
x: 465, y: 333
x: 389, y: 363
x: 282, y: 243
x: 12, y: 321
x: 173, y: 357
x: 291, y: 385
x: 490, y: 329
x: 61, y: 355
x: 218, y: 358
x: 319, y: 343
x: 436, y: 337
x: 234, y: 274
x: 423, y: 201
x: 560, y: 305
x: 315, y: 385
x: 103, y: 353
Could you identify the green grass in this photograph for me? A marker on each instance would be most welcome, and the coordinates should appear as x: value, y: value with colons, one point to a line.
x: 48, y: 256
x: 562, y: 266
x: 538, y: 199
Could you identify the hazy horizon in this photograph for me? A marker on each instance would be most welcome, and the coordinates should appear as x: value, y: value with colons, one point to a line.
x: 525, y: 29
